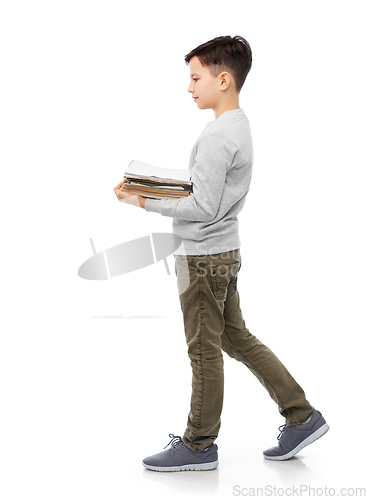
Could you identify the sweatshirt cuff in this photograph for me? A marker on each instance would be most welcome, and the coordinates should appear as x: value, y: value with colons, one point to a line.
x: 152, y: 205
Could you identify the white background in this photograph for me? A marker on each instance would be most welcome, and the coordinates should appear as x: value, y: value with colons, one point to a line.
x: 86, y: 391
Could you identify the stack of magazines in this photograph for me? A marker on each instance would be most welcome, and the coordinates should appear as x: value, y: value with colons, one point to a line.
x: 156, y: 182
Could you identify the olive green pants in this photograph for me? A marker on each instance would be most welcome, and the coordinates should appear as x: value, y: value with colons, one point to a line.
x: 213, y: 322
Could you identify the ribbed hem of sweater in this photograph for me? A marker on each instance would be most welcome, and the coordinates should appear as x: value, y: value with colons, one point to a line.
x: 210, y: 246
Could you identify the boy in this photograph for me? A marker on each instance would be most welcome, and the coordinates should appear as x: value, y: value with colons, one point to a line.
x: 207, y: 265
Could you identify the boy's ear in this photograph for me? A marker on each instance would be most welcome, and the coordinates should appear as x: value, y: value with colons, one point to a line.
x: 225, y: 80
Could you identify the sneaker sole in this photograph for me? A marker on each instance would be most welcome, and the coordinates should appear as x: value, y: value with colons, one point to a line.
x: 316, y: 435
x: 179, y: 468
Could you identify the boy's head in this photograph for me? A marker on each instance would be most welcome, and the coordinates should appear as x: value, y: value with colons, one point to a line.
x: 222, y: 64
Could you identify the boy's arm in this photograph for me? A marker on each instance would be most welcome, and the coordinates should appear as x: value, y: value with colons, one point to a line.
x: 213, y: 160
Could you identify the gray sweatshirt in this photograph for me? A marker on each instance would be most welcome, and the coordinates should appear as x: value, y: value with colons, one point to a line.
x: 220, y: 167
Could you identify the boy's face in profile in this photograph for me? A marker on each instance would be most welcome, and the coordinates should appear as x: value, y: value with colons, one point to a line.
x: 204, y: 87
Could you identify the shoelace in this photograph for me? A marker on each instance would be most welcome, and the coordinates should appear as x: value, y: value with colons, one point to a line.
x: 282, y: 430
x: 175, y: 442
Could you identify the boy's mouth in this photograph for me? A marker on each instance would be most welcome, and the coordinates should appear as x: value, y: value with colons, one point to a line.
x: 195, y: 98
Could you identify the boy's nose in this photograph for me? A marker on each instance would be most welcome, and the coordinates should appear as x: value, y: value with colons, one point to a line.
x: 190, y: 89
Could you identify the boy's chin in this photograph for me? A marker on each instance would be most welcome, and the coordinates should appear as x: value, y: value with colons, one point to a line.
x: 201, y: 105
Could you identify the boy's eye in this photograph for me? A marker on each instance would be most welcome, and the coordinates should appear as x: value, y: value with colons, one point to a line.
x: 195, y: 79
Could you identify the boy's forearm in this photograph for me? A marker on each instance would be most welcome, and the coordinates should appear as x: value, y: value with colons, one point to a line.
x: 213, y: 159
x: 141, y: 201
x: 181, y: 208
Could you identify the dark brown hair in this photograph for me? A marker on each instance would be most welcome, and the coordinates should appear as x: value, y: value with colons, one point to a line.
x: 225, y: 53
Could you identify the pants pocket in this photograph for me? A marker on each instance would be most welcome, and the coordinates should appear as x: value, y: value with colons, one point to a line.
x: 221, y: 277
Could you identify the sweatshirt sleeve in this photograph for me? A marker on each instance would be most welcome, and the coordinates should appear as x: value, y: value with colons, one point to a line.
x: 213, y: 159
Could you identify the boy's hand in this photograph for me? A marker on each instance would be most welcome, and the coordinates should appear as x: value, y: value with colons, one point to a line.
x: 131, y: 199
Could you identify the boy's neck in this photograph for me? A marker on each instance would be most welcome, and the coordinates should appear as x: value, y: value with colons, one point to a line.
x: 229, y: 105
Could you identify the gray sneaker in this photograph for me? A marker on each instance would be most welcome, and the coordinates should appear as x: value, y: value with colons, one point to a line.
x: 295, y: 437
x: 179, y: 457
